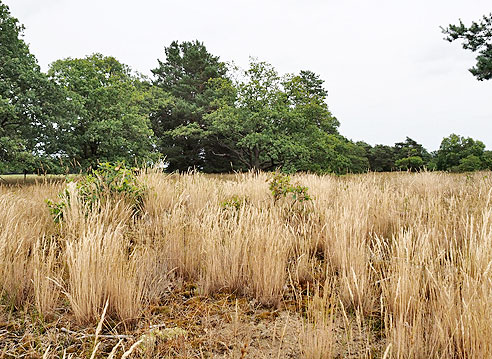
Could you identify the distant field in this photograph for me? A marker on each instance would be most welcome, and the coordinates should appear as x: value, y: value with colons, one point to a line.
x: 30, y: 179
x: 19, y: 179
x: 371, y: 266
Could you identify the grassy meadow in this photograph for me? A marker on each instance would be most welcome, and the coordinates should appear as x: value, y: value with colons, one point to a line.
x: 20, y: 179
x: 392, y: 265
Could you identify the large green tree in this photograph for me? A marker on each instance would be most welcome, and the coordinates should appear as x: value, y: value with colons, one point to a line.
x: 265, y: 121
x: 30, y: 104
x: 460, y: 154
x: 185, y: 100
x: 110, y: 119
x: 477, y: 38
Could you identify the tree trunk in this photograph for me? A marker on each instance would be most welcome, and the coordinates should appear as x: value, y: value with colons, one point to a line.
x: 256, y: 159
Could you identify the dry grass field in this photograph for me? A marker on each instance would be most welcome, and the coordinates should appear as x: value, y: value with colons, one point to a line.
x: 374, y: 266
x: 29, y: 179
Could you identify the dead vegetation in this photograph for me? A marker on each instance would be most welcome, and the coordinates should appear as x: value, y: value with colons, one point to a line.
x: 376, y: 265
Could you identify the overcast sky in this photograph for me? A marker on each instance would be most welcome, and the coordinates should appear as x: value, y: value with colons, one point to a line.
x: 387, y: 69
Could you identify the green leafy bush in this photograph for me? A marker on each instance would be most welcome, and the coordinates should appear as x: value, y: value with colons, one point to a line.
x: 106, y: 182
x: 56, y: 208
x: 280, y: 187
x: 235, y: 202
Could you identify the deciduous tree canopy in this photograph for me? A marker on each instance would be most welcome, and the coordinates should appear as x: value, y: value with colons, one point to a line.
x: 265, y: 121
x: 460, y: 154
x: 109, y: 121
x: 30, y: 105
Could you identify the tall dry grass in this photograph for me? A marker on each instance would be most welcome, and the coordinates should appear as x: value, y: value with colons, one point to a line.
x: 25, y: 252
x: 412, y: 251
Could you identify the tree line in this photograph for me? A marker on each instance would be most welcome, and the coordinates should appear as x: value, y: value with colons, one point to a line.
x: 195, y: 112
